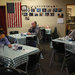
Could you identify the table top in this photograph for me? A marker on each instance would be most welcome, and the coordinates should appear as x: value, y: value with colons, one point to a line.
x: 12, y: 54
x: 69, y: 45
x: 19, y: 36
x: 63, y: 40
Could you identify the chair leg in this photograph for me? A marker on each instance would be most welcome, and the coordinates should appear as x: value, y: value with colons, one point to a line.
x: 67, y: 71
x: 62, y: 67
x: 41, y: 73
x: 52, y: 57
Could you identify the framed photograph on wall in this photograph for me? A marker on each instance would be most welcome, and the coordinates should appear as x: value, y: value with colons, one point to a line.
x: 59, y: 10
x: 44, y: 10
x: 46, y: 14
x: 55, y: 10
x: 52, y: 14
x: 41, y: 14
x: 49, y: 10
x: 35, y: 14
x: 25, y: 14
x: 30, y: 14
x: 38, y: 9
x: 32, y: 10
x: 24, y: 7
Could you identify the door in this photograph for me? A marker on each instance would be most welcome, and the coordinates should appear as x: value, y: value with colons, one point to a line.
x: 3, y: 19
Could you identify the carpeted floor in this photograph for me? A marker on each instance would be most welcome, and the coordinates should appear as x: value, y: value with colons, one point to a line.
x: 45, y: 61
x: 56, y: 67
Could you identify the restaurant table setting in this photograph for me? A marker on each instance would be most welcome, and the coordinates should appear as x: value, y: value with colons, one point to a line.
x: 17, y: 55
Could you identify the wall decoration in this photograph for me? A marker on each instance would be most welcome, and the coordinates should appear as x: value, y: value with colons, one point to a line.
x: 25, y: 14
x: 38, y: 9
x: 49, y: 10
x: 46, y: 14
x: 24, y: 8
x: 27, y: 18
x: 44, y: 10
x: 52, y: 14
x: 55, y: 9
x: 59, y: 9
x: 60, y: 15
x: 32, y: 10
x: 14, y: 18
x: 30, y: 14
x: 41, y: 14
x: 35, y: 14
x: 28, y: 9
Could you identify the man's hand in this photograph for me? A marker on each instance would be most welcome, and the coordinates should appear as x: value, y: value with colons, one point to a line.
x: 9, y: 45
x: 28, y: 33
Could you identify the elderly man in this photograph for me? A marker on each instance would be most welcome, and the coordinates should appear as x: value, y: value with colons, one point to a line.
x: 72, y: 34
x: 4, y: 40
x: 34, y: 29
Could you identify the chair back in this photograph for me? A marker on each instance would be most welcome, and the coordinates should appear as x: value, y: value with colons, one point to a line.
x: 9, y: 71
x: 31, y: 41
x: 43, y: 33
x: 58, y: 47
x: 33, y: 60
x: 14, y: 32
x: 55, y: 34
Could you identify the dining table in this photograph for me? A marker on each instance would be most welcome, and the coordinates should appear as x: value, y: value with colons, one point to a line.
x: 17, y: 55
x: 68, y: 44
x: 19, y: 38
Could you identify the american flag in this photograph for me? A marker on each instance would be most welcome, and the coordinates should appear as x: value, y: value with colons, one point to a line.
x: 14, y: 16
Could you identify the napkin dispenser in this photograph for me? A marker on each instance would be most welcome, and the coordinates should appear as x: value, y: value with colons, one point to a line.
x: 19, y: 47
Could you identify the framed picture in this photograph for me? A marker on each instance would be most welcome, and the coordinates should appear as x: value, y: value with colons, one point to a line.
x: 35, y: 14
x: 25, y: 14
x: 41, y: 14
x: 60, y: 15
x: 55, y: 10
x: 32, y: 10
x: 52, y: 14
x: 48, y: 10
x: 46, y: 14
x: 38, y: 9
x: 24, y: 8
x: 44, y: 10
x: 59, y: 9
x: 27, y: 18
x: 30, y: 14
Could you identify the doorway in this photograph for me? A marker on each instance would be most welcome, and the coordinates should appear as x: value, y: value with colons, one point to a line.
x: 3, y: 18
x: 70, y: 18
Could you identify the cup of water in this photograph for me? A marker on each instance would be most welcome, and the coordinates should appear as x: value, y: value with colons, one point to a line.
x: 2, y: 46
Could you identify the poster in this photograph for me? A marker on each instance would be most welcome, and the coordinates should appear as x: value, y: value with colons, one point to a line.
x: 60, y: 20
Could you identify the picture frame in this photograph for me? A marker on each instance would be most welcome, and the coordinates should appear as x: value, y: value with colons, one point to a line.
x: 30, y: 14
x: 43, y: 9
x: 59, y: 10
x: 38, y: 9
x: 41, y: 14
x: 32, y: 10
x: 52, y: 14
x: 25, y: 14
x: 35, y: 14
x: 46, y: 14
x: 24, y: 7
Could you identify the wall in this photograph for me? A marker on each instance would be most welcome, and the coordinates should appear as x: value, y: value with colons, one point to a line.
x: 51, y: 21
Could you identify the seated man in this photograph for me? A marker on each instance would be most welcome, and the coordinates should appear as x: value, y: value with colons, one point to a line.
x: 34, y: 29
x: 72, y: 35
x: 4, y: 40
